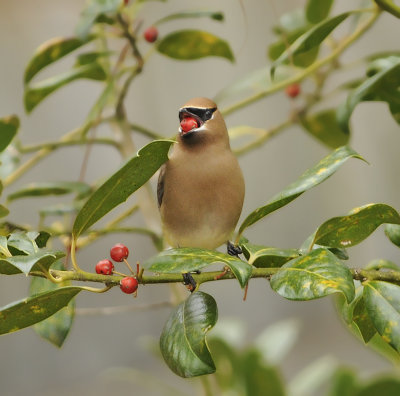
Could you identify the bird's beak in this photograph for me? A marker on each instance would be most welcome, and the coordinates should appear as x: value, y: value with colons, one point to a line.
x: 186, y: 113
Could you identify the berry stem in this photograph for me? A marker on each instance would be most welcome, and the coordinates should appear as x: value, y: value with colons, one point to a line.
x: 129, y: 267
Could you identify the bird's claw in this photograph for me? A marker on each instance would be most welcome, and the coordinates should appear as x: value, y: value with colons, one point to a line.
x: 233, y: 250
x: 189, y: 282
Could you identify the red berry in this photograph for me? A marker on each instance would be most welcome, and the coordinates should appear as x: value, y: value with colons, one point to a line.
x: 189, y: 123
x: 119, y: 252
x: 129, y: 284
x: 151, y: 34
x: 292, y: 90
x: 105, y: 267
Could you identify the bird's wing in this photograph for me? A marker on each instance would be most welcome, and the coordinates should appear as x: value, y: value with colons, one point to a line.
x: 160, y: 185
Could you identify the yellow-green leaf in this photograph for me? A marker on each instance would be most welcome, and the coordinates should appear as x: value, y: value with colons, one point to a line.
x: 314, y: 275
x: 8, y: 129
x: 317, y: 10
x: 194, y: 44
x: 347, y: 231
x: 382, y: 301
x: 31, y: 310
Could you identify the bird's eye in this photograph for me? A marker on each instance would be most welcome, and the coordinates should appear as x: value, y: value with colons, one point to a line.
x: 203, y: 114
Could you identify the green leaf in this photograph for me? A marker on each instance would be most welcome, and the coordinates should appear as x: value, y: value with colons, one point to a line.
x: 264, y: 257
x: 55, y: 328
x: 347, y: 231
x: 325, y: 128
x: 344, y: 383
x: 382, y: 301
x: 60, y: 209
x: 3, y: 211
x: 51, y: 51
x: 122, y: 184
x: 317, y: 10
x: 381, y: 86
x: 381, y: 386
x: 36, y: 93
x: 312, y: 177
x: 194, y: 44
x: 392, y: 231
x: 183, y: 260
x: 91, y: 57
x: 33, y: 262
x: 50, y: 188
x: 23, y: 242
x: 183, y: 344
x: 382, y: 264
x: 31, y: 310
x: 311, y: 39
x: 259, y: 378
x: 215, y: 15
x: 314, y: 275
x: 8, y: 129
x: 389, y: 6
x: 384, y: 349
x: 94, y: 13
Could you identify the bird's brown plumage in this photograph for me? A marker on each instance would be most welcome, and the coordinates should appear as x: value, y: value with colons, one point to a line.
x: 201, y: 187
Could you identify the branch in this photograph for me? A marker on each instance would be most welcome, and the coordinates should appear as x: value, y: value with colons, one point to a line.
x: 310, y: 69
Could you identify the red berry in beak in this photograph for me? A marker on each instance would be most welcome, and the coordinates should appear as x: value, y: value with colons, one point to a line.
x: 189, y: 123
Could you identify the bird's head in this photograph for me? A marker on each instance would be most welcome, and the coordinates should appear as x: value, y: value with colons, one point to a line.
x: 200, y: 120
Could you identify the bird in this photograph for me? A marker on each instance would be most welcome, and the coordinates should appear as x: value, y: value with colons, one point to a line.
x: 201, y: 187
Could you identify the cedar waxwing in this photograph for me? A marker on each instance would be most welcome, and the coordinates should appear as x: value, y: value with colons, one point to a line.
x: 201, y: 187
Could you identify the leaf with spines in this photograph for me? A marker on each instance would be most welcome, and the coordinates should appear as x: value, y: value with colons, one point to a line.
x: 324, y: 127
x: 314, y: 275
x: 347, y: 231
x: 312, y: 177
x: 183, y: 260
x: 50, y: 52
x: 8, y: 129
x: 382, y: 301
x: 311, y: 39
x: 55, y: 328
x: 265, y: 257
x: 182, y: 343
x: 122, y: 184
x: 34, y: 309
x: 50, y: 188
x: 35, y: 93
x: 193, y: 44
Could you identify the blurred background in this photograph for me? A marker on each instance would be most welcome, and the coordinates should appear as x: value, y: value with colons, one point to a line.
x: 97, y: 344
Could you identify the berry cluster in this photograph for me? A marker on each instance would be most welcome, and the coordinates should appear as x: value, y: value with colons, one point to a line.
x: 119, y: 253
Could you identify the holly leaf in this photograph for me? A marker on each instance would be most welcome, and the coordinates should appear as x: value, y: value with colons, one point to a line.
x: 392, y: 231
x: 8, y: 129
x: 347, y: 231
x: 215, y: 15
x: 382, y: 85
x: 183, y: 344
x: 314, y: 275
x: 38, y: 261
x: 122, y: 184
x: 31, y: 310
x: 265, y: 257
x: 312, y: 177
x: 55, y: 328
x: 50, y: 188
x: 50, y: 52
x: 324, y: 127
x: 194, y: 44
x: 317, y: 10
x: 382, y: 301
x: 34, y: 94
x: 183, y: 260
x: 311, y: 39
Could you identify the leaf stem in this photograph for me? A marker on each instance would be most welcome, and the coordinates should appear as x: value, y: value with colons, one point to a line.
x: 346, y: 42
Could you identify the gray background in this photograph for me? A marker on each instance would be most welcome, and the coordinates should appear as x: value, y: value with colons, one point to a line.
x: 95, y: 344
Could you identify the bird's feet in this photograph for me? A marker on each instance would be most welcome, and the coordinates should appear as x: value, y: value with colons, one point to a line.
x: 233, y: 250
x: 189, y: 282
